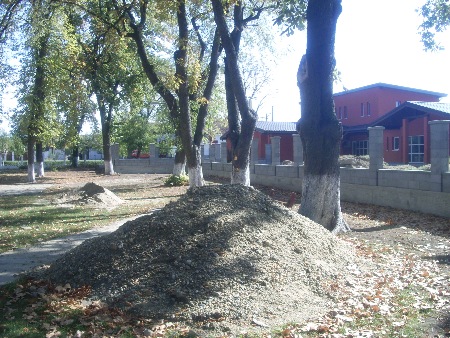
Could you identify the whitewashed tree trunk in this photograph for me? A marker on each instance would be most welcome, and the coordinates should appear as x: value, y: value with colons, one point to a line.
x: 31, y: 174
x: 109, y: 168
x: 196, y: 176
x: 40, y: 169
x: 321, y: 201
x: 241, y: 176
x: 179, y: 169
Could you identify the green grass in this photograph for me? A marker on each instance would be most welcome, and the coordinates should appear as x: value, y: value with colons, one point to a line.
x: 29, y: 219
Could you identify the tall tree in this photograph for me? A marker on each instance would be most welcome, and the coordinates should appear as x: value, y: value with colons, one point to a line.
x: 109, y: 69
x: 39, y: 42
x: 319, y: 129
x: 179, y: 101
x: 241, y: 117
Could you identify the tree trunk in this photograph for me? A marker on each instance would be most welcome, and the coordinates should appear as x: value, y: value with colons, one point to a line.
x: 179, y: 168
x: 30, y: 154
x: 196, y: 172
x: 109, y: 168
x: 319, y: 129
x: 39, y: 160
x: 105, y: 118
x: 38, y: 102
x: 75, y: 156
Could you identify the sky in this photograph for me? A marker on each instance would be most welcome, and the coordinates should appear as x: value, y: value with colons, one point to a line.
x: 376, y: 41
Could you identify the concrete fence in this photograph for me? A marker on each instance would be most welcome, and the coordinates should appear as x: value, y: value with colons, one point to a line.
x: 423, y: 191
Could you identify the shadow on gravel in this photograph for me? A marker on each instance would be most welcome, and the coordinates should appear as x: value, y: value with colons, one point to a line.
x: 379, y: 228
x: 441, y: 259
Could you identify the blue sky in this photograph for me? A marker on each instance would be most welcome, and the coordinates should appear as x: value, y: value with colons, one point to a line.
x: 376, y: 41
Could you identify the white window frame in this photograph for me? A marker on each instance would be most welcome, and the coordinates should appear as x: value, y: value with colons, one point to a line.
x: 416, y: 149
x: 395, y: 143
x: 360, y: 148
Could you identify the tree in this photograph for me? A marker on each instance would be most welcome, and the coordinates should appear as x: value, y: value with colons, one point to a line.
x: 319, y: 129
x: 436, y: 14
x: 185, y: 92
x: 36, y: 115
x: 39, y: 42
x: 135, y: 132
x: 109, y: 69
x: 241, y: 118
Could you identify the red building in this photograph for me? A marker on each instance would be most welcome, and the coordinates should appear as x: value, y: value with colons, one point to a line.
x: 264, y: 130
x: 404, y: 112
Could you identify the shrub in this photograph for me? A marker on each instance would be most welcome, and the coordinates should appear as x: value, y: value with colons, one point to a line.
x: 175, y: 180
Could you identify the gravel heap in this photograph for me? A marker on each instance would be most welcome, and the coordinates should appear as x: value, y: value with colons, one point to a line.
x: 91, y: 194
x: 221, y: 259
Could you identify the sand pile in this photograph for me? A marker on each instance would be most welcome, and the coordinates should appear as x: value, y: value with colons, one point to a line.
x: 91, y: 194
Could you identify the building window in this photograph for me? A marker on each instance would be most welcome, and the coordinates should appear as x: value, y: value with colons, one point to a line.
x: 360, y: 148
x: 395, y: 143
x: 340, y: 113
x: 362, y: 109
x: 416, y: 148
x: 345, y: 112
x: 368, y: 109
x: 387, y: 143
x: 397, y: 103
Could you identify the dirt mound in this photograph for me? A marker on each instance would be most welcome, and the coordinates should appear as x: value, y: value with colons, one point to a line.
x: 91, y: 194
x: 223, y: 258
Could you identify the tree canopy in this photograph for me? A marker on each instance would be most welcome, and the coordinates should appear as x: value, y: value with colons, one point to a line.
x: 436, y: 15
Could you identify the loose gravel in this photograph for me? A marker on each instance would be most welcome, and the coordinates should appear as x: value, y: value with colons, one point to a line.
x: 221, y: 259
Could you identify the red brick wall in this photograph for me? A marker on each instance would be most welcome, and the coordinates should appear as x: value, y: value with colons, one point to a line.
x: 381, y: 100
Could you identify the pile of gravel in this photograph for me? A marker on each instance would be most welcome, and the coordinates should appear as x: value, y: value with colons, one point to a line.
x: 223, y: 258
x: 91, y: 194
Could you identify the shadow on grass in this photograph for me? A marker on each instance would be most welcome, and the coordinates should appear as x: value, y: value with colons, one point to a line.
x: 436, y: 225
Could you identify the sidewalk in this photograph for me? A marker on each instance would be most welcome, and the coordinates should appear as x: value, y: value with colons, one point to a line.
x: 15, y: 262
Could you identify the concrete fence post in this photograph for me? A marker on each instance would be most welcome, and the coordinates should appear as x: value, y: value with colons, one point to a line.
x: 376, y: 147
x: 212, y: 153
x: 254, y: 151
x: 275, y: 141
x: 202, y: 152
x: 297, y: 149
x: 152, y: 150
x: 217, y: 152
x: 223, y: 152
x: 114, y: 152
x: 439, y: 147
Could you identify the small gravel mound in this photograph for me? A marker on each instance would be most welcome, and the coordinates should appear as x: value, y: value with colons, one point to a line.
x: 91, y: 194
x: 223, y: 259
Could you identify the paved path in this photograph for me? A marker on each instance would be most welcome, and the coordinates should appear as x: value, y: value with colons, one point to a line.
x: 15, y: 262
x: 23, y: 188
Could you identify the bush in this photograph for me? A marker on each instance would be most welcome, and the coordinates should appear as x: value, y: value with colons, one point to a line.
x: 175, y: 180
